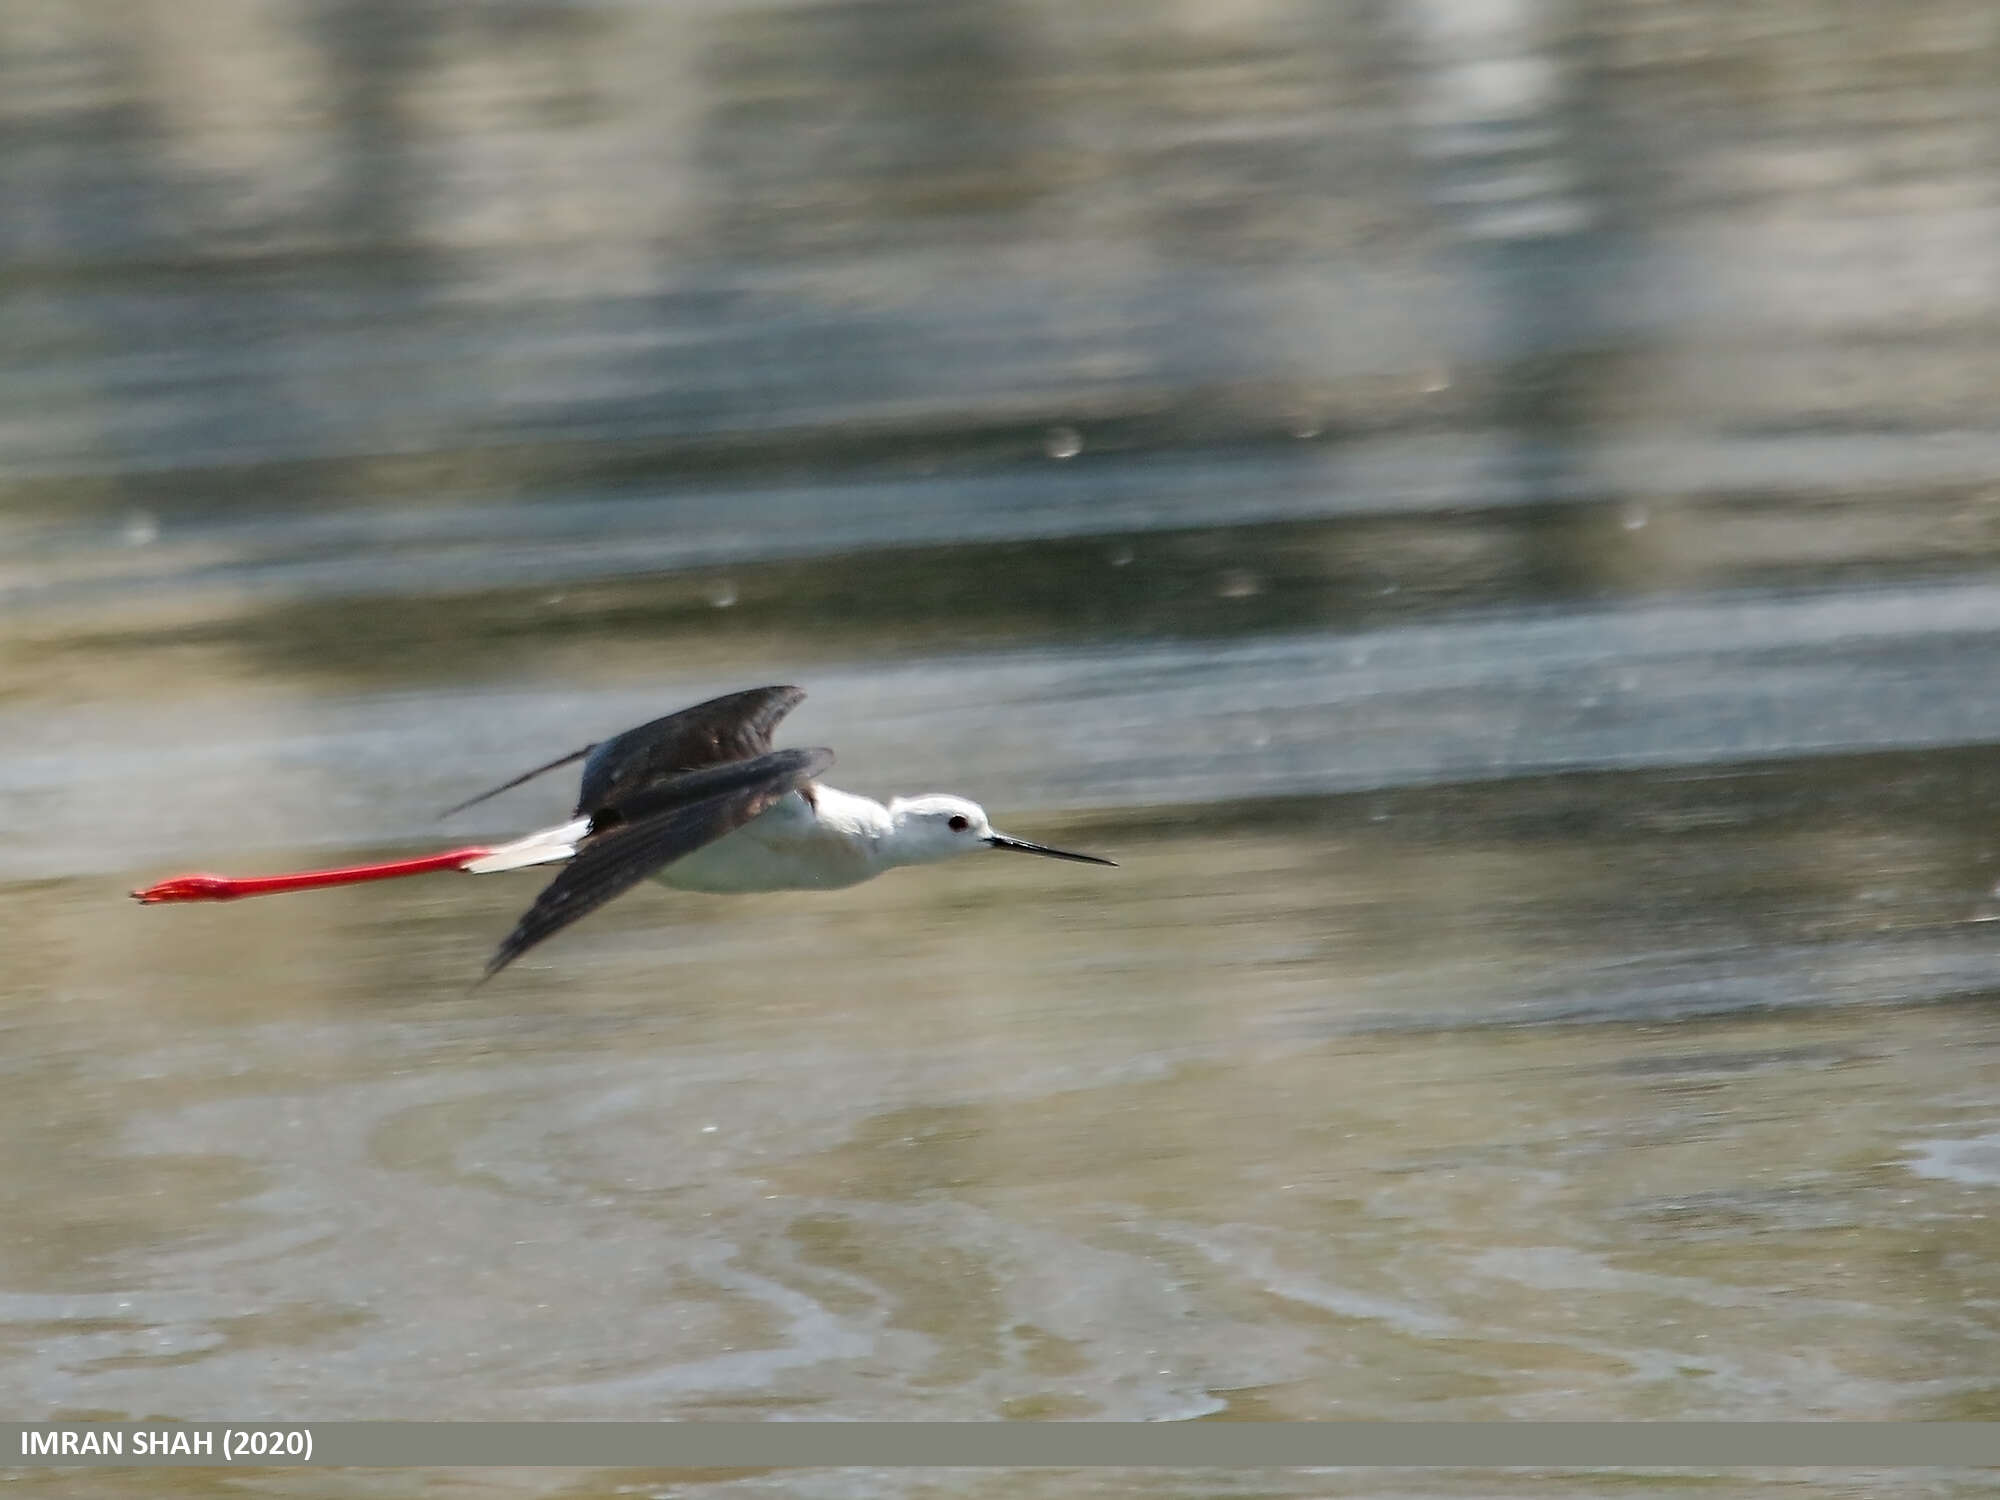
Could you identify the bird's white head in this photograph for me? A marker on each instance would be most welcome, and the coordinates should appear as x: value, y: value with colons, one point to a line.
x: 933, y: 827
x: 936, y: 827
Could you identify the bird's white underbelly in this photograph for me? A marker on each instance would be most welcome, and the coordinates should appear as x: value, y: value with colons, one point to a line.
x: 784, y: 848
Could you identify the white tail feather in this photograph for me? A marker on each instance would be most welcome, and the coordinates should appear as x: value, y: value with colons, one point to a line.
x: 549, y: 846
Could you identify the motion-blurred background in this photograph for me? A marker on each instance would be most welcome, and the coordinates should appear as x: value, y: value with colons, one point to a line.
x: 1484, y: 507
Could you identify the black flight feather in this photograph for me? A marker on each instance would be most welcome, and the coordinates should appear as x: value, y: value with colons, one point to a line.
x: 734, y: 727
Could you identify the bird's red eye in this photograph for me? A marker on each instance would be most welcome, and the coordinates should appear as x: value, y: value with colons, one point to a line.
x: 958, y: 823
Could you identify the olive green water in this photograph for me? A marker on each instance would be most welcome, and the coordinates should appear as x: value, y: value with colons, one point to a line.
x: 1628, y: 1095
x: 1486, y: 511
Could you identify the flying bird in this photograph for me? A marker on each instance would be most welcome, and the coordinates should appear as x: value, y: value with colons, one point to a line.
x: 697, y: 800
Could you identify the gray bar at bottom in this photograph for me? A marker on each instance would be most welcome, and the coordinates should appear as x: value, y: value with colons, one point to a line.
x: 731, y: 1445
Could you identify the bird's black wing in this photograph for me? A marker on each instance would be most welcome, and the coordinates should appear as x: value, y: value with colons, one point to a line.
x: 673, y: 819
x: 734, y: 727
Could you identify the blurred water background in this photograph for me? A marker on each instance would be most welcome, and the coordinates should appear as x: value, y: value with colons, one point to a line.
x: 1486, y: 508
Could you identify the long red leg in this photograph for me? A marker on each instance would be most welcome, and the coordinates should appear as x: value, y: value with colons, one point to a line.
x: 225, y: 888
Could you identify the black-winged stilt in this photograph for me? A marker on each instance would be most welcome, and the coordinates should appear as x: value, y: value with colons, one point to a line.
x: 697, y: 800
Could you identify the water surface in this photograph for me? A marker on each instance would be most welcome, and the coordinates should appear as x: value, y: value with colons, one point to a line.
x: 1485, y: 510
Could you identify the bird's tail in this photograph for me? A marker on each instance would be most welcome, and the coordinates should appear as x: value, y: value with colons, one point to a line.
x: 549, y: 846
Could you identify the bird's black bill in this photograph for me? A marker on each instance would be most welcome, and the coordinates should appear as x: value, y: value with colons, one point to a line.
x: 1022, y: 846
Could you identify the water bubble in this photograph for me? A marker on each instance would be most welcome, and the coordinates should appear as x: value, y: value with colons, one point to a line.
x: 141, y: 529
x: 722, y: 593
x: 1063, y: 442
x: 1633, y: 517
x: 1120, y: 557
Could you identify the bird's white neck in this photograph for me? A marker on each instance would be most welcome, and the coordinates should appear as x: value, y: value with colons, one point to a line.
x: 861, y: 821
x: 886, y: 836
